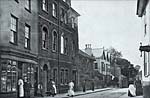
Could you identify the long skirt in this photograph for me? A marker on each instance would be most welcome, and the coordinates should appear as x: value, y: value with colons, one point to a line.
x: 70, y: 92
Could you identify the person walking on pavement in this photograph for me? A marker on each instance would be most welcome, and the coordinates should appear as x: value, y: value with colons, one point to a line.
x: 27, y: 87
x: 92, y: 85
x: 84, y: 85
x: 52, y: 88
x: 131, y: 90
x: 21, y: 88
x: 40, y: 87
x: 71, y: 89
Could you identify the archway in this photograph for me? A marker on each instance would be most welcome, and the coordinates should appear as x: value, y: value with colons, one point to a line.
x: 45, y: 77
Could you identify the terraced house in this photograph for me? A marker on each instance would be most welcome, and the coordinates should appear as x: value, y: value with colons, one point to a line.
x: 38, y: 42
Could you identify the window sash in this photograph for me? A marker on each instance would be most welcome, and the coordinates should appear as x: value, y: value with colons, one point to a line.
x: 28, y: 4
x: 54, y: 10
x: 44, y: 5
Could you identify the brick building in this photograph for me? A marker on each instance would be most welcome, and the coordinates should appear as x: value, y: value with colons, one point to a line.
x: 38, y: 41
x: 58, y: 43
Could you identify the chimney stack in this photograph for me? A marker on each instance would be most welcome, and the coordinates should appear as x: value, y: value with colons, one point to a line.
x: 88, y: 49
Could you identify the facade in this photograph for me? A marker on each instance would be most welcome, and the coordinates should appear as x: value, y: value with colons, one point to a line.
x: 38, y: 42
x: 18, y: 45
x: 85, y: 70
x: 58, y: 43
x: 143, y: 11
x: 102, y: 63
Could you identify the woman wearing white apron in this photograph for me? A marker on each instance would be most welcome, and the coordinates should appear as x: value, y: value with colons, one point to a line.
x: 71, y: 87
x: 131, y: 90
x: 21, y: 88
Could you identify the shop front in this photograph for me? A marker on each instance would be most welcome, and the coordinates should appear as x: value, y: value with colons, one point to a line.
x: 10, y: 71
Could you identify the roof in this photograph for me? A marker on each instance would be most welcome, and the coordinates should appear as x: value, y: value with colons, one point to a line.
x: 86, y: 55
x: 141, y: 6
x: 98, y: 52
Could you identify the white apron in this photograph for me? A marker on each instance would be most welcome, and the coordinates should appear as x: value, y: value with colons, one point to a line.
x: 132, y: 89
x: 21, y: 89
x: 71, y: 91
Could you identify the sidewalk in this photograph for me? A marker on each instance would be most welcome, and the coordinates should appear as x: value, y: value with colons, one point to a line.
x: 64, y: 95
x: 126, y: 96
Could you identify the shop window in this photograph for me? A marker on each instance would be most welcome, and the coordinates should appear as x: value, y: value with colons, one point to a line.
x: 8, y: 76
x: 28, y: 73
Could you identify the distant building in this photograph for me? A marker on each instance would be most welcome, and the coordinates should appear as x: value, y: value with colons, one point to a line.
x: 143, y: 11
x: 102, y: 63
x: 85, y: 69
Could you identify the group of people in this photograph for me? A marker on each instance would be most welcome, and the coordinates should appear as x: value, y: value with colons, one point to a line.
x: 24, y: 88
x: 135, y: 88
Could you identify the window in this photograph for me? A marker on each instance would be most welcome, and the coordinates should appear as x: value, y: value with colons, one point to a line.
x: 44, y: 38
x: 62, y: 43
x: 45, y: 5
x: 62, y: 76
x: 145, y: 30
x: 73, y: 22
x: 54, y: 41
x: 8, y: 76
x: 54, y: 9
x: 146, y: 63
x: 28, y: 5
x: 28, y: 72
x: 55, y: 75
x: 66, y: 76
x: 73, y: 48
x: 65, y: 45
x: 96, y: 66
x: 103, y: 66
x: 13, y: 29
x: 27, y: 36
x: 63, y: 15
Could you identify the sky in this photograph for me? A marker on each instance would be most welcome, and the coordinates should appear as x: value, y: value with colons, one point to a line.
x: 110, y: 23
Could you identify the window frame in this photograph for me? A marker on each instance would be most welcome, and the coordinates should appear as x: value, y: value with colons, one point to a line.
x: 45, y: 5
x: 45, y: 38
x: 54, y: 9
x: 54, y: 41
x: 14, y: 34
x: 29, y: 38
x: 65, y: 45
x: 13, y: 78
x: 146, y: 64
x: 28, y: 6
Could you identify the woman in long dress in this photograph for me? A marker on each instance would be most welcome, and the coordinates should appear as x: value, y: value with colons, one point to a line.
x: 71, y: 87
x: 21, y: 88
x: 132, y: 90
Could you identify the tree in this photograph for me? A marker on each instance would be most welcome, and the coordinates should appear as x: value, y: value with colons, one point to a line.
x: 114, y: 53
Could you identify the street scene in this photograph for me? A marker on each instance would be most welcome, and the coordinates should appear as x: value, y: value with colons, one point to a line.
x: 74, y: 48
